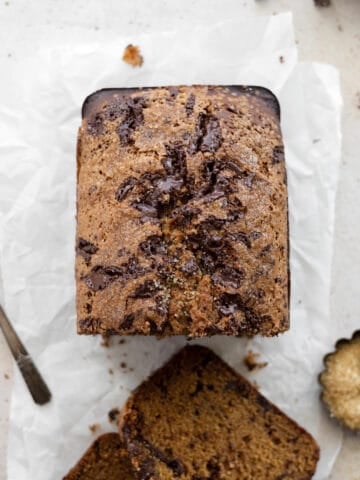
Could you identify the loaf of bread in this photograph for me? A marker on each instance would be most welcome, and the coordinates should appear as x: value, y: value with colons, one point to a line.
x: 182, y: 213
x: 105, y: 459
x: 198, y: 419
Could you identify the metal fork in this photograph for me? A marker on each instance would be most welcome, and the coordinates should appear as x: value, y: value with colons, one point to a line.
x: 33, y: 379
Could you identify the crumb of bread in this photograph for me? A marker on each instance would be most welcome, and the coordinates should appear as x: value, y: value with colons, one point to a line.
x: 113, y: 415
x: 6, y: 376
x: 132, y: 56
x: 122, y: 341
x: 105, y: 341
x: 111, y: 371
x: 123, y: 364
x: 250, y: 360
x: 281, y: 59
x: 94, y: 428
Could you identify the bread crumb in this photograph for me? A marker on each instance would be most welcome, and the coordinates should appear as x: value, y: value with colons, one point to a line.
x: 358, y: 100
x: 122, y: 341
x: 113, y: 415
x: 105, y: 341
x: 123, y: 364
x: 322, y: 3
x: 111, y: 371
x: 94, y: 428
x: 6, y: 376
x: 281, y: 59
x: 132, y: 56
x: 250, y: 360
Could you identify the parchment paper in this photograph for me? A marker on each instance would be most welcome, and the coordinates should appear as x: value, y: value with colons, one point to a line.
x: 39, y: 114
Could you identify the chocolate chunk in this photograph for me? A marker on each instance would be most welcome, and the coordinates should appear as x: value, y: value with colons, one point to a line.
x: 86, y: 249
x: 132, y: 110
x: 177, y: 467
x: 207, y: 136
x: 241, y: 237
x: 278, y: 154
x: 90, y: 324
x: 264, y: 404
x: 95, y: 125
x: 183, y: 216
x: 189, y: 105
x: 153, y: 245
x: 175, y: 160
x: 146, y: 290
x: 238, y: 387
x: 212, y: 137
x: 100, y: 277
x: 228, y: 277
x: 127, y: 322
x: 126, y: 186
x: 190, y: 267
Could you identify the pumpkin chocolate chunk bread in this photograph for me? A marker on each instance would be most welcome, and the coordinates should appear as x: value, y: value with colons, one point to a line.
x: 197, y: 419
x: 106, y: 459
x: 182, y: 213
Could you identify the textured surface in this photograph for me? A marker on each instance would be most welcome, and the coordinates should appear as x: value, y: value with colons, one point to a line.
x: 105, y: 459
x: 197, y: 419
x: 182, y: 213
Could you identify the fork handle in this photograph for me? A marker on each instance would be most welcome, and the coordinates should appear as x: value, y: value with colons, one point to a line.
x: 33, y: 379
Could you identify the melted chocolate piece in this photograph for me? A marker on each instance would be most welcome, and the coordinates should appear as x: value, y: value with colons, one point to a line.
x: 146, y: 290
x: 86, y: 249
x: 190, y: 267
x: 126, y: 187
x: 228, y: 277
x: 153, y: 245
x: 278, y: 154
x: 207, y: 136
x: 132, y: 110
x: 189, y: 105
x: 95, y: 125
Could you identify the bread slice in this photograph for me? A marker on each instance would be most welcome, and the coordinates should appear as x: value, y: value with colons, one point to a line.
x: 105, y: 459
x: 197, y: 419
x: 182, y: 213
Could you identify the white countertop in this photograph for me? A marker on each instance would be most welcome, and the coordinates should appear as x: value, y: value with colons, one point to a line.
x: 330, y: 35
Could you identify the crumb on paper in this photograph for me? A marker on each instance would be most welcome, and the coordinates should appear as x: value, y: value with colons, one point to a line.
x: 340, y: 28
x: 105, y: 341
x: 111, y: 371
x: 122, y: 341
x: 315, y: 140
x: 94, y: 428
x: 251, y: 362
x: 7, y: 376
x: 123, y: 364
x: 281, y: 59
x: 322, y: 3
x: 132, y: 56
x: 358, y: 100
x: 113, y: 415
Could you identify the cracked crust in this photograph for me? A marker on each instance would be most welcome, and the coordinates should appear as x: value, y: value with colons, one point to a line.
x: 197, y: 419
x: 182, y: 213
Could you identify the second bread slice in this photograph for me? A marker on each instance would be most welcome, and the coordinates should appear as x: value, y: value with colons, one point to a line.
x: 197, y: 419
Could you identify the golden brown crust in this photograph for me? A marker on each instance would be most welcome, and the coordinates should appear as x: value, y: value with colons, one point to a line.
x: 196, y: 418
x: 182, y: 213
x: 105, y: 459
x: 340, y: 382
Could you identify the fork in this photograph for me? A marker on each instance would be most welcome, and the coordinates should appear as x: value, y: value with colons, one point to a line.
x: 33, y: 379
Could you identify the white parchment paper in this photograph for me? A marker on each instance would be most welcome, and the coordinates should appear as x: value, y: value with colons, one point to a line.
x: 39, y: 114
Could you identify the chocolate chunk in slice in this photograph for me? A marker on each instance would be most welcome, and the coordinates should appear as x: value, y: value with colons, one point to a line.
x: 196, y: 418
x: 106, y: 459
